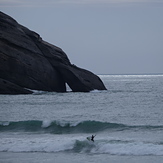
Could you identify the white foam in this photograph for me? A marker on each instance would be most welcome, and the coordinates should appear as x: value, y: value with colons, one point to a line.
x: 98, y: 91
x: 46, y: 123
x: 133, y: 148
x: 4, y: 123
x: 35, y: 143
x: 58, y: 143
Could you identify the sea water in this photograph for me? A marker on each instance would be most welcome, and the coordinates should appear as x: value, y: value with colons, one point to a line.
x: 127, y: 120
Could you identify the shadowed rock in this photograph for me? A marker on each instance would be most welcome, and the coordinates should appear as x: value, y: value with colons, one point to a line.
x: 7, y: 87
x: 27, y: 61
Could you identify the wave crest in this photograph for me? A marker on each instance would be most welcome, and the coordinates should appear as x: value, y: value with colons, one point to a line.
x: 56, y: 127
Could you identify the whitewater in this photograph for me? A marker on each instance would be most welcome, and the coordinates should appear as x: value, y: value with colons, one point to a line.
x: 53, y: 127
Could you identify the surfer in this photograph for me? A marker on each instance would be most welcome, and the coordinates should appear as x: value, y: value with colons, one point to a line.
x: 92, y: 138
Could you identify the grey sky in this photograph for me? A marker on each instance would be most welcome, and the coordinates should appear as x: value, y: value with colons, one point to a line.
x: 104, y: 36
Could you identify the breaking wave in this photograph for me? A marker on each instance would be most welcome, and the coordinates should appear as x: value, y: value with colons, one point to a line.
x: 53, y: 136
x: 118, y: 147
x: 56, y: 127
x: 111, y: 147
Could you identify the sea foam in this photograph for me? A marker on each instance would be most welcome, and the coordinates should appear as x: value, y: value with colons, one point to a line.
x: 78, y: 144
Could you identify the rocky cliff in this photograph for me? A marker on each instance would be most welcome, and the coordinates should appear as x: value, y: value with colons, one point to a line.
x: 28, y: 62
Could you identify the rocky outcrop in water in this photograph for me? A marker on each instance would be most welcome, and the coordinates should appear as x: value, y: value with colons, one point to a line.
x: 28, y: 62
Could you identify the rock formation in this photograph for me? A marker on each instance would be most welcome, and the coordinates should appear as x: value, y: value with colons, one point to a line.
x: 28, y: 62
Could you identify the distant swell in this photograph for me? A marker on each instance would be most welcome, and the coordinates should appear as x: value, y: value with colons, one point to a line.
x: 64, y: 128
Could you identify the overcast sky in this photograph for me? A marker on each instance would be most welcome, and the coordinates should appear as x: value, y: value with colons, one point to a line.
x: 103, y: 36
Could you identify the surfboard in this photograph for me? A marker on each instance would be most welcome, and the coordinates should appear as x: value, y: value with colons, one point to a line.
x: 89, y: 138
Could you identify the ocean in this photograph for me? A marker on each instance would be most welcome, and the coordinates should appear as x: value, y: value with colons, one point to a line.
x: 50, y: 127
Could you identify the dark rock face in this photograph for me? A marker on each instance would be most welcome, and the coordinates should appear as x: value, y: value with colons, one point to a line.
x: 26, y: 61
x: 7, y: 87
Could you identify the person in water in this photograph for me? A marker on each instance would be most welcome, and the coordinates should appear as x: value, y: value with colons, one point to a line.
x: 92, y: 138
